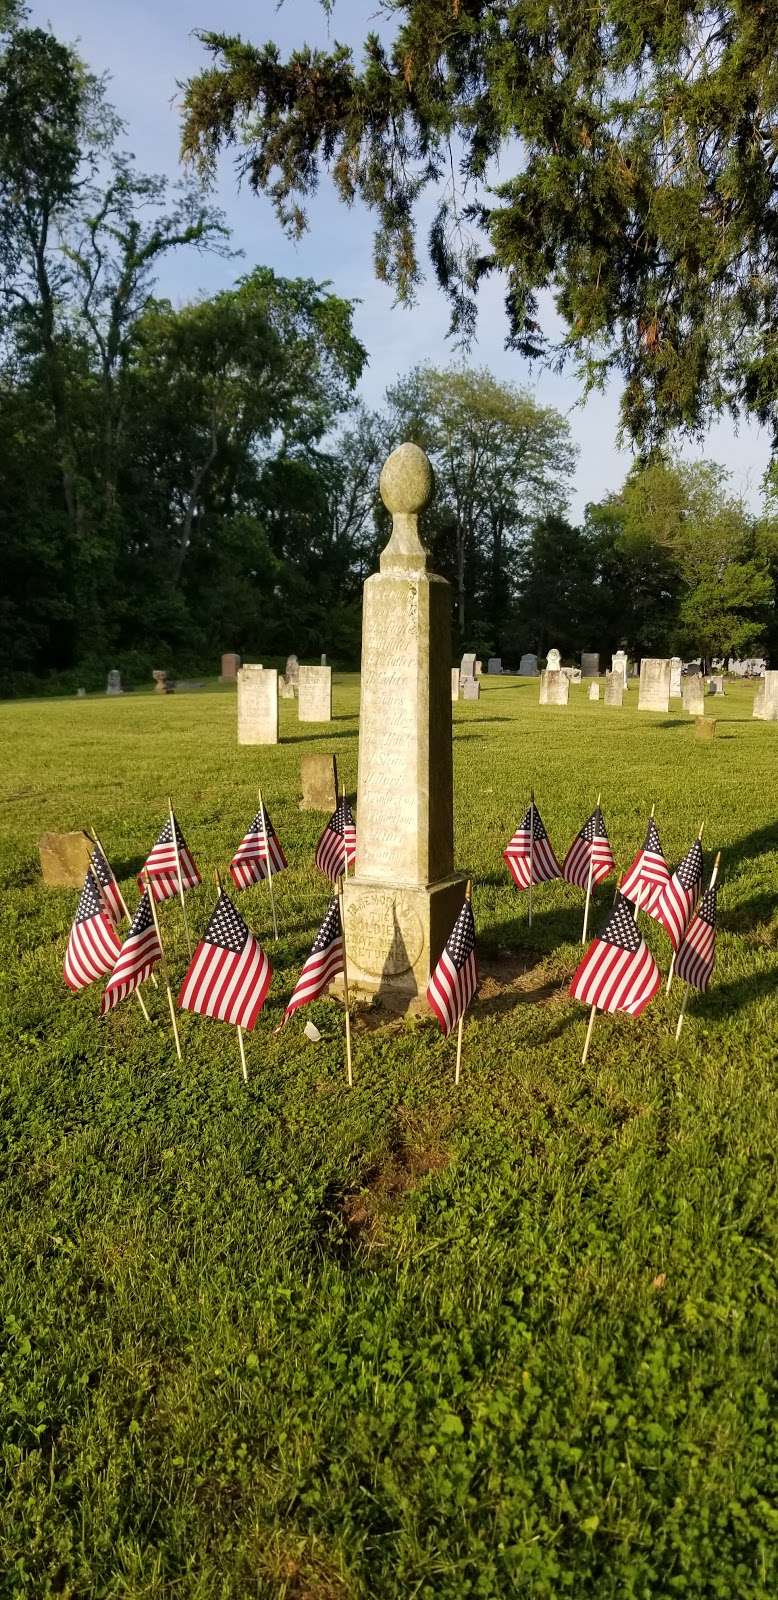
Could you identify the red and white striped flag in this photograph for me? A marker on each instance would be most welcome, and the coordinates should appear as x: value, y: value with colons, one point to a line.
x: 697, y: 953
x: 229, y: 974
x: 455, y: 979
x: 337, y: 847
x: 618, y: 972
x: 676, y: 903
x: 93, y: 944
x: 590, y: 845
x: 161, y: 868
x: 530, y: 842
x: 249, y: 863
x: 106, y: 878
x: 648, y: 873
x: 136, y: 959
x: 324, y: 963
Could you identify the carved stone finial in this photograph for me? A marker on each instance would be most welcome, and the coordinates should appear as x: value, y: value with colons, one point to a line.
x: 406, y: 485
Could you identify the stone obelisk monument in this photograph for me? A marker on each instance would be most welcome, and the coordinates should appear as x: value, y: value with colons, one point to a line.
x: 403, y: 900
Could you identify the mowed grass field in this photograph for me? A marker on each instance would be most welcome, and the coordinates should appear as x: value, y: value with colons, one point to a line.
x: 399, y: 1341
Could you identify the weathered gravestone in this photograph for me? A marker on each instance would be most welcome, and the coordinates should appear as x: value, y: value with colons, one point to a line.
x: 693, y: 694
x: 594, y: 691
x: 81, y: 694
x: 494, y: 665
x: 467, y: 666
x: 230, y: 667
x: 619, y: 663
x: 590, y: 664
x: 317, y: 780
x: 675, y: 677
x: 64, y: 859
x: 161, y: 683
x: 705, y: 728
x: 528, y: 666
x: 479, y: 669
x: 257, y: 705
x: 716, y: 683
x: 314, y: 694
x: 292, y: 671
x: 554, y: 688
x: 572, y: 674
x: 614, y: 688
x: 454, y: 684
x: 766, y: 699
x: 553, y: 661
x: 323, y: 659
x: 654, y: 693
x: 403, y: 901
x: 471, y: 689
x: 285, y: 690
x: 114, y: 684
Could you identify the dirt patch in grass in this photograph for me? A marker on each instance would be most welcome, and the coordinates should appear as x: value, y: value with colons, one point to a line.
x: 417, y: 1149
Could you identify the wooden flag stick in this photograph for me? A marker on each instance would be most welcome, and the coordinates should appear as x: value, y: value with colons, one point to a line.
x: 180, y: 876
x: 671, y: 973
x: 589, y: 886
x: 457, y: 1069
x: 269, y: 866
x: 682, y: 1012
x: 349, y: 1070
x: 531, y: 850
x: 164, y: 960
x: 127, y: 914
x: 592, y: 1016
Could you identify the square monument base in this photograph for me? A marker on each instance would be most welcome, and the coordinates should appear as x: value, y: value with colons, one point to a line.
x: 395, y: 935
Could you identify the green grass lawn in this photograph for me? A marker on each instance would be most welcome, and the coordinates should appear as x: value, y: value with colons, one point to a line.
x: 294, y: 1340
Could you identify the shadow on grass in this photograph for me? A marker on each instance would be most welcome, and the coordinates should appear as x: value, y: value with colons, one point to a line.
x: 326, y: 733
x: 722, y: 999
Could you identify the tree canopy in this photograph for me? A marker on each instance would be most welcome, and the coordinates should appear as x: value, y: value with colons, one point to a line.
x: 620, y: 155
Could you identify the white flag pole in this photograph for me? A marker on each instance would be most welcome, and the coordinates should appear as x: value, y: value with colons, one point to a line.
x: 180, y: 876
x: 589, y: 885
x: 531, y: 851
x: 682, y: 1012
x: 269, y: 866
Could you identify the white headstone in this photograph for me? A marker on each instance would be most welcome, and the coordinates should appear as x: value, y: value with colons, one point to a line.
x: 257, y: 705
x: 590, y: 664
x: 594, y: 691
x: 314, y: 694
x: 285, y: 690
x: 619, y: 663
x: 553, y: 661
x: 654, y: 694
x: 292, y: 670
x: 716, y: 683
x: 528, y: 666
x: 693, y: 694
x: 323, y: 660
x: 114, y: 684
x: 766, y: 699
x: 614, y: 688
x: 675, y: 677
x: 554, y: 689
x: 81, y: 694
x: 454, y: 683
x: 471, y: 689
x: 467, y: 666
x: 494, y: 664
x: 479, y: 669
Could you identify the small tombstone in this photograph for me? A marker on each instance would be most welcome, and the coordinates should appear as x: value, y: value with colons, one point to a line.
x: 590, y: 665
x: 64, y: 859
x: 292, y: 670
x: 454, y: 683
x: 693, y: 694
x: 528, y: 666
x: 716, y: 683
x: 467, y: 666
x: 766, y: 699
x: 230, y: 667
x: 323, y: 660
x: 314, y: 694
x: 494, y: 665
x: 471, y: 689
x: 114, y: 684
x: 257, y: 705
x: 614, y: 688
x: 160, y: 681
x: 619, y: 663
x: 81, y: 694
x: 317, y: 780
x: 654, y: 693
x: 705, y: 727
x: 554, y: 688
x: 594, y: 691
x: 553, y: 661
x: 285, y: 689
x: 479, y: 669
x: 675, y: 677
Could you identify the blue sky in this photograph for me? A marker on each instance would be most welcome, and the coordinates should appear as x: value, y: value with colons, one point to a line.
x: 148, y: 48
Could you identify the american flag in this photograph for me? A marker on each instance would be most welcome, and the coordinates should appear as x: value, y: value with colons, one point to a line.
x: 229, y: 974
x: 337, y: 847
x: 108, y: 885
x: 136, y: 959
x: 677, y: 900
x: 324, y: 962
x: 649, y: 872
x: 249, y: 863
x: 591, y: 844
x: 455, y: 979
x: 161, y: 867
x: 697, y: 953
x: 93, y: 944
x: 516, y: 855
x: 618, y: 972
